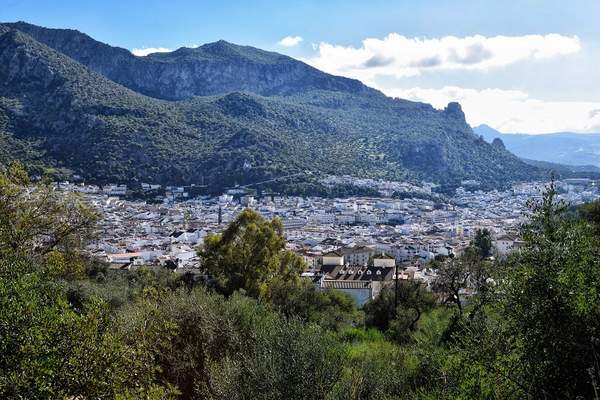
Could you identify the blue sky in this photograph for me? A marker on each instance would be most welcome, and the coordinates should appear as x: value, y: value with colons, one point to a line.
x: 523, y: 65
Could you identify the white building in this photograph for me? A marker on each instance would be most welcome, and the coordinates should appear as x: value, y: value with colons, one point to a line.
x: 332, y: 258
x: 506, y: 244
x: 384, y: 260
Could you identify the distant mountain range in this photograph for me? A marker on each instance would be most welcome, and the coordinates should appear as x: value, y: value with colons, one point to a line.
x: 574, y: 149
x: 221, y: 114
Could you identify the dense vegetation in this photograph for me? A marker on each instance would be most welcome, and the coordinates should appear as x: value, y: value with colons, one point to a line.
x: 71, y: 328
x: 59, y: 114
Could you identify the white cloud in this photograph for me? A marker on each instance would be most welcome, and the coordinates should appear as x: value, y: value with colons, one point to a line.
x: 144, y: 51
x: 290, y: 41
x: 399, y: 56
x: 511, y: 110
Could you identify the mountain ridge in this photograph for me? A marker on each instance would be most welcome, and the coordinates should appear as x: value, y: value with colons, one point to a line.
x: 171, y: 75
x: 575, y: 149
x: 79, y: 119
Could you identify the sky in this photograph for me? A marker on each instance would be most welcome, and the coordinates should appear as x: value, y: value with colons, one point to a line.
x: 528, y: 66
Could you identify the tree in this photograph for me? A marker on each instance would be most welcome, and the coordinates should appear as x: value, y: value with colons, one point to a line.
x: 380, y: 311
x: 331, y: 309
x: 452, y: 277
x: 469, y: 271
x: 482, y: 243
x: 250, y: 255
x: 49, y: 346
x: 591, y: 213
x: 413, y: 301
x: 539, y: 336
x: 37, y: 220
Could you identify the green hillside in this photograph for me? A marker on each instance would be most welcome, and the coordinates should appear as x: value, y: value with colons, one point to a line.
x: 56, y: 112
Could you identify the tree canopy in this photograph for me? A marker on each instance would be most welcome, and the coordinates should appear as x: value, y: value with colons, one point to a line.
x: 37, y: 220
x: 482, y: 243
x: 250, y: 255
x: 538, y: 336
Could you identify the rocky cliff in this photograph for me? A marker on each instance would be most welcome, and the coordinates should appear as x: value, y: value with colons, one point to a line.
x: 214, y: 68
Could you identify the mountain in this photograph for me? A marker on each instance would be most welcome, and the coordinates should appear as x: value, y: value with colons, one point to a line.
x: 243, y: 115
x: 572, y: 171
x: 214, y: 68
x: 575, y: 149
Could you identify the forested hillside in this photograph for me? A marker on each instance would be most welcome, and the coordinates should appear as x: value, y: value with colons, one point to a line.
x: 58, y: 113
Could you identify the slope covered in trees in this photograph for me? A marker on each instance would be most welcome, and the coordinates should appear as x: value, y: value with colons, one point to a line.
x: 60, y: 109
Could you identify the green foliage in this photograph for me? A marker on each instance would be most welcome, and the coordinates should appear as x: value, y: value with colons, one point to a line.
x: 376, y: 370
x: 380, y: 369
x: 482, y: 243
x: 65, y: 115
x: 233, y: 348
x: 590, y: 212
x: 398, y: 322
x: 250, y: 255
x: 330, y: 309
x: 49, y: 349
x: 36, y: 219
x: 538, y: 337
x: 118, y: 289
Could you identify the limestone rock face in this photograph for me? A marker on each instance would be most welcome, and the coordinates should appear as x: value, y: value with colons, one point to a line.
x: 214, y: 68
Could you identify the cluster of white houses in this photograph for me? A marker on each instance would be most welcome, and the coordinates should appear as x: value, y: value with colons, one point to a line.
x: 342, y: 240
x: 361, y: 276
x: 361, y: 271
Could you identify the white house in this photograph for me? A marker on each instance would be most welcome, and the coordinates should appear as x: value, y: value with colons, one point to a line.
x: 384, y: 260
x: 358, y: 255
x: 332, y: 258
x: 506, y: 244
